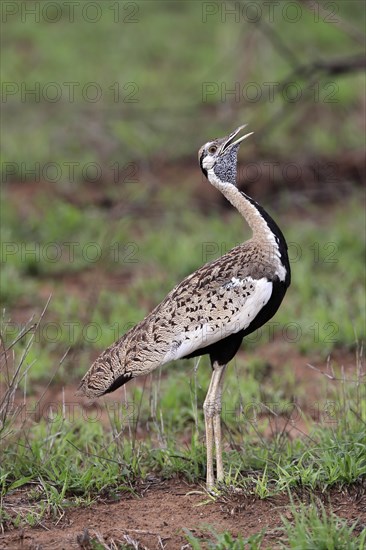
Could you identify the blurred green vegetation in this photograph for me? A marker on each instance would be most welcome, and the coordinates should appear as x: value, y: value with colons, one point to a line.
x: 139, y: 82
x: 118, y: 270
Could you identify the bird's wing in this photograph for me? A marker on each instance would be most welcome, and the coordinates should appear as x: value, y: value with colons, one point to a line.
x: 215, y: 311
x: 219, y: 299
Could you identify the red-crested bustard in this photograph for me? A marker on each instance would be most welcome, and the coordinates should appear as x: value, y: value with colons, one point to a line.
x: 212, y: 309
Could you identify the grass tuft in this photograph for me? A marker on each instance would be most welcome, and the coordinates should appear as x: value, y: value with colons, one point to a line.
x: 313, y: 527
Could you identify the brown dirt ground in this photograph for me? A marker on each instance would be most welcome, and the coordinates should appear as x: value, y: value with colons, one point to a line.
x: 156, y: 517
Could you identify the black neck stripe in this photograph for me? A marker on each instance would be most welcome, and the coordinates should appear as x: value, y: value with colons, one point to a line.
x: 282, y: 244
x: 203, y: 169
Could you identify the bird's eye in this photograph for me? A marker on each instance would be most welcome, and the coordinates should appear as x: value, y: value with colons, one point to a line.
x: 212, y: 149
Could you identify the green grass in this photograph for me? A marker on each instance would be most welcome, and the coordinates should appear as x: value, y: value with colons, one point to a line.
x: 71, y: 459
x: 65, y: 463
x: 225, y: 541
x: 312, y: 528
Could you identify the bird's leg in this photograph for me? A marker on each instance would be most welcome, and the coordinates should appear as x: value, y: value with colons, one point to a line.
x: 212, y: 409
x: 210, y: 480
x: 217, y: 428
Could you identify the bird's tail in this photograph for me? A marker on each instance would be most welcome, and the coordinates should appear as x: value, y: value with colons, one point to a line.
x: 134, y: 354
x: 106, y: 374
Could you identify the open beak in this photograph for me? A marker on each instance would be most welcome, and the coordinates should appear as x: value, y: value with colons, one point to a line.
x: 229, y: 142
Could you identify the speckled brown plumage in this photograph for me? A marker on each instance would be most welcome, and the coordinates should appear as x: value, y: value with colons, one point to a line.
x: 211, y: 310
x: 205, y: 298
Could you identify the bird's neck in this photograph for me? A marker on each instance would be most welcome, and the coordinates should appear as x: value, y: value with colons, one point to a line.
x: 264, y: 228
x: 256, y: 217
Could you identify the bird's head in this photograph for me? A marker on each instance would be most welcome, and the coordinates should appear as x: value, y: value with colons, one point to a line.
x: 221, y: 156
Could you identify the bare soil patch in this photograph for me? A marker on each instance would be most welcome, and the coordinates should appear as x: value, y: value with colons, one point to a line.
x: 157, y: 516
